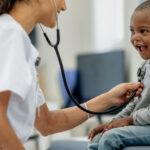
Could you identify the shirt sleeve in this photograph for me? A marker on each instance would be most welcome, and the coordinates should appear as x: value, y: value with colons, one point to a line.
x: 15, y: 75
x: 142, y: 116
x: 127, y: 110
x: 40, y: 98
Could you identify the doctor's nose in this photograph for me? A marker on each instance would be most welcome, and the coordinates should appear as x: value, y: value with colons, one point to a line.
x: 64, y: 7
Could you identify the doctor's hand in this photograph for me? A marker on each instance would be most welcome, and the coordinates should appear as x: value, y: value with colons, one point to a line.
x: 120, y: 93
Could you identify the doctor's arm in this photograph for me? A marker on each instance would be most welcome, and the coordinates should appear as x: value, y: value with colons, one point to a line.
x: 8, y: 138
x: 50, y: 122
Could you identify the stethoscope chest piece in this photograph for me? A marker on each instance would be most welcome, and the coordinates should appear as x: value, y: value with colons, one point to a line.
x: 141, y: 74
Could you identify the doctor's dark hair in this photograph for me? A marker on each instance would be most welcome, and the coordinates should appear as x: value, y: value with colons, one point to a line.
x: 143, y: 6
x: 6, y: 5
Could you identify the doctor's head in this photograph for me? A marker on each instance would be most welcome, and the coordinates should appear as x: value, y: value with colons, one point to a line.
x: 140, y: 29
x: 43, y: 11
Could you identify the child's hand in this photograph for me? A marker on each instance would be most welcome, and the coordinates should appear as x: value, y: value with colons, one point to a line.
x: 116, y: 123
x: 95, y: 131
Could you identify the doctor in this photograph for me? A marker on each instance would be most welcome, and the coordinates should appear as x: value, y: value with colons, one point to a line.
x: 22, y: 104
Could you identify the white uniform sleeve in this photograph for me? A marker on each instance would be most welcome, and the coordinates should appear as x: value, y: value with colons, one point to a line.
x: 15, y: 74
x: 40, y: 98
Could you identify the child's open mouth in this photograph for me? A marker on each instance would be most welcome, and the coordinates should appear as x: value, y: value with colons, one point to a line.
x: 141, y: 49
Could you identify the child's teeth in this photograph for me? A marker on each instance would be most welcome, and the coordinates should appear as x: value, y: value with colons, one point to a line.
x: 142, y: 48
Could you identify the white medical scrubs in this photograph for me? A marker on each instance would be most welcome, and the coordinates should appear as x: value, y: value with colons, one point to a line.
x: 18, y: 75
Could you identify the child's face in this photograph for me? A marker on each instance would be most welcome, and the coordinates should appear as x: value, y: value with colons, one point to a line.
x: 140, y: 32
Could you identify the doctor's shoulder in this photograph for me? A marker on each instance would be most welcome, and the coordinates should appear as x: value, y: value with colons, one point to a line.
x: 15, y: 44
x: 9, y: 28
x: 12, y: 34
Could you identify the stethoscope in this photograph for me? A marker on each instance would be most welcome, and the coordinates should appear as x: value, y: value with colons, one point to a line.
x: 140, y: 74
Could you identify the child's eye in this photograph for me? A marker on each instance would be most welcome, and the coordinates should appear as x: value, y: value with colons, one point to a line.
x: 132, y: 31
x: 143, y: 31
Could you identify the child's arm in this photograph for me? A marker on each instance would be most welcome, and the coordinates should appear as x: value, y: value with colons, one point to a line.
x: 8, y: 138
x: 127, y: 110
x: 142, y: 116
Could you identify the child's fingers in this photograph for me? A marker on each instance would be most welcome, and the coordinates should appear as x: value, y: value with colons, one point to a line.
x: 92, y: 134
x: 103, y: 132
x: 110, y: 126
x: 89, y: 137
x: 96, y: 131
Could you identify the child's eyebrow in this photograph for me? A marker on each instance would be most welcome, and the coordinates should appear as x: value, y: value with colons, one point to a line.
x: 146, y: 27
x: 143, y: 27
x: 130, y: 27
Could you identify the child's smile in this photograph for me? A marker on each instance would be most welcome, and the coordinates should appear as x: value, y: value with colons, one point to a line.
x: 142, y: 49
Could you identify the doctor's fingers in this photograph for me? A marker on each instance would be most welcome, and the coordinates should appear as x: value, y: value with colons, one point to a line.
x: 139, y: 91
x: 130, y: 87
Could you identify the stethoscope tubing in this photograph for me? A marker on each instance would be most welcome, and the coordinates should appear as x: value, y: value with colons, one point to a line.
x: 74, y: 100
x: 55, y: 46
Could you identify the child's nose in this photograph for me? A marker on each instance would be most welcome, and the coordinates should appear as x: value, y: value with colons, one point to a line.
x: 135, y: 38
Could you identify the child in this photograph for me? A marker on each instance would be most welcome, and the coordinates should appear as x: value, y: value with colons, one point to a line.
x: 132, y: 125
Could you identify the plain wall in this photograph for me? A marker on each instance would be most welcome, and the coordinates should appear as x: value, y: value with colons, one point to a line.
x: 75, y: 38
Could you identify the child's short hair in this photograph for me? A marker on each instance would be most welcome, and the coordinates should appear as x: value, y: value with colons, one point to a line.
x: 143, y: 5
